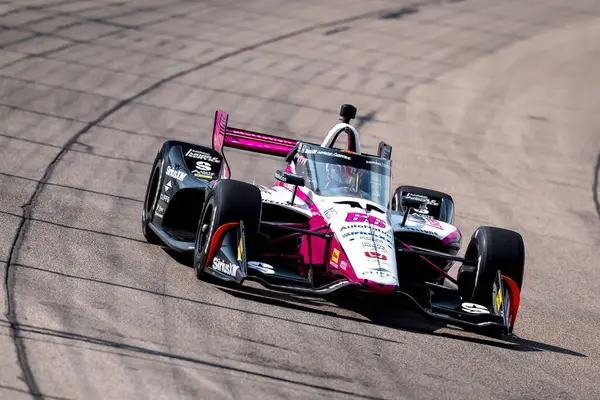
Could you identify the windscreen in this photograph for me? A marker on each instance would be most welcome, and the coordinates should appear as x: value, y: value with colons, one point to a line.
x: 330, y: 172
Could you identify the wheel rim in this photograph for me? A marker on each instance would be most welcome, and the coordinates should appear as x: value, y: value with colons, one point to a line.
x: 472, y: 259
x: 202, y: 237
x: 152, y: 193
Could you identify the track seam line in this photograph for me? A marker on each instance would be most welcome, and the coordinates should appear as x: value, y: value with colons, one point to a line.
x: 9, y: 278
x: 595, y: 185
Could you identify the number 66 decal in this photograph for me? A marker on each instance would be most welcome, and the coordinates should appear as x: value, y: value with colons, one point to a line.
x: 360, y: 217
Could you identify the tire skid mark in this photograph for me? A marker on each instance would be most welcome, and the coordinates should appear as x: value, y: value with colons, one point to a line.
x: 113, y: 128
x: 196, y: 86
x: 89, y: 340
x: 116, y: 196
x: 9, y: 278
x: 38, y: 7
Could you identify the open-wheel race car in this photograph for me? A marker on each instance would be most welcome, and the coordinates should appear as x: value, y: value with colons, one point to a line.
x: 330, y: 223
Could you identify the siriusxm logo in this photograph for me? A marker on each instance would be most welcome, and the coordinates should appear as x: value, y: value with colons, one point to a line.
x: 224, y: 267
x: 179, y: 175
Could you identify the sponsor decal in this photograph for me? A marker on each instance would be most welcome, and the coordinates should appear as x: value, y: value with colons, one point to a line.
x: 378, y: 242
x: 379, y: 272
x: 200, y: 155
x: 332, y: 154
x: 265, y: 189
x: 422, y: 209
x: 418, y: 217
x: 262, y: 267
x: 224, y: 267
x: 240, y: 251
x: 330, y: 213
x: 355, y: 233
x: 371, y: 227
x: 499, y: 301
x: 370, y: 244
x: 203, y: 166
x: 335, y: 256
x: 179, y: 175
x: 379, y: 164
x: 473, y: 308
x: 433, y: 223
x: 420, y: 197
x: 361, y: 217
x: 343, y: 265
x: 374, y: 254
x: 165, y: 198
x: 280, y: 176
x: 203, y: 170
x: 261, y: 137
x: 222, y: 125
x: 168, y: 186
x: 159, y: 211
x: 412, y: 228
x: 301, y: 159
x: 325, y: 153
x: 368, y: 236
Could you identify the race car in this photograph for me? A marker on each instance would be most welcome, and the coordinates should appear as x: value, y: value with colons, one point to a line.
x: 330, y: 223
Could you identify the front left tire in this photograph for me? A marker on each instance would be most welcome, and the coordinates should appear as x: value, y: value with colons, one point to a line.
x: 230, y: 201
x: 151, y: 199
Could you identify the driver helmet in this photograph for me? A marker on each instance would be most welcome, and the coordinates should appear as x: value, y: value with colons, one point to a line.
x: 343, y: 175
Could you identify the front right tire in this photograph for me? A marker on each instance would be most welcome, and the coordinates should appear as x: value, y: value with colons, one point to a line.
x: 489, y: 251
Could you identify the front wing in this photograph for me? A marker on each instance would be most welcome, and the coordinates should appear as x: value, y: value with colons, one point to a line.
x: 227, y: 261
x: 444, y: 304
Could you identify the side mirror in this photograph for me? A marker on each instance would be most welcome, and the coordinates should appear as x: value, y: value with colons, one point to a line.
x: 408, y: 203
x: 288, y: 177
x: 292, y: 179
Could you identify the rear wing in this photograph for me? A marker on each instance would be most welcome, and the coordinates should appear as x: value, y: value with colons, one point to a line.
x: 225, y: 136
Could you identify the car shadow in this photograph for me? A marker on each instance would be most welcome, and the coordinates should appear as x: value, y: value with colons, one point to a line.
x: 379, y: 311
x: 398, y: 314
x: 186, y: 259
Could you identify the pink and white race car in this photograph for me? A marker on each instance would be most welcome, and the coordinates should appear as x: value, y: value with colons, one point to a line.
x: 330, y: 222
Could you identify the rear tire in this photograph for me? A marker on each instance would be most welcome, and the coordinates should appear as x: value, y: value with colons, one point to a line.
x: 489, y: 251
x: 151, y: 199
x: 231, y: 201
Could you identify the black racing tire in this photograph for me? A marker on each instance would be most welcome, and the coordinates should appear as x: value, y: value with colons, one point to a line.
x: 446, y: 212
x: 151, y: 198
x: 489, y: 251
x: 230, y: 201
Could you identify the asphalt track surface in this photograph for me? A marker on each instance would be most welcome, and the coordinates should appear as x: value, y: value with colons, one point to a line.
x: 495, y: 102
